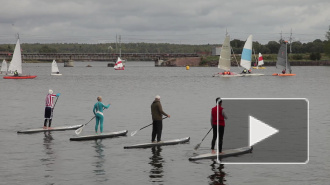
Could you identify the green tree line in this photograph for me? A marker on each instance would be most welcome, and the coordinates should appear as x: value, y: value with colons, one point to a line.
x: 316, y: 47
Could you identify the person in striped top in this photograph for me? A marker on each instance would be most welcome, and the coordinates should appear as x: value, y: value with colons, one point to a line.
x: 49, y: 108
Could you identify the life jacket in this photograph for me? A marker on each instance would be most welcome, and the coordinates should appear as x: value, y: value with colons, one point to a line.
x: 214, y: 116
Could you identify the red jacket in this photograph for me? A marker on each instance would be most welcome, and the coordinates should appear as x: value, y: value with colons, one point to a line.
x: 214, y: 116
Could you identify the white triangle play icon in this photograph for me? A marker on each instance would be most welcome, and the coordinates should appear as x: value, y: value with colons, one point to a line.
x: 259, y: 131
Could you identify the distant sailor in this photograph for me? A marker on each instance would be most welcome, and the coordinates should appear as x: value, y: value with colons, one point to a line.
x: 157, y: 119
x: 98, y: 112
x: 49, y: 108
x: 15, y: 73
x: 244, y: 71
x: 283, y: 72
x: 214, y: 121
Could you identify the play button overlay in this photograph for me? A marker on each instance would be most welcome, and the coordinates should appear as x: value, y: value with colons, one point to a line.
x: 276, y: 128
x: 259, y: 131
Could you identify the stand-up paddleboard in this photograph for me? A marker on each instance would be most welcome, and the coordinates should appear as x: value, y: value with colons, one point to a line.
x: 226, y: 153
x: 253, y: 74
x: 278, y: 74
x: 169, y: 142
x: 100, y: 136
x: 47, y: 130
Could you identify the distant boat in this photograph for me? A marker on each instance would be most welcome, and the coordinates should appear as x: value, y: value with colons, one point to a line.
x: 119, y: 65
x: 224, y: 59
x: 55, y: 70
x: 246, y: 58
x: 260, y: 63
x: 16, y: 64
x: 282, y: 61
x: 4, y: 67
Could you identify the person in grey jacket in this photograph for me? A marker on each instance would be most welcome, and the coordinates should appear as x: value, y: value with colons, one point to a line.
x: 157, y: 119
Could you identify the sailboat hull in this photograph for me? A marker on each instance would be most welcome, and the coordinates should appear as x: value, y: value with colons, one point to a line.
x: 120, y: 68
x: 231, y: 74
x: 276, y: 74
x: 56, y: 74
x: 19, y: 77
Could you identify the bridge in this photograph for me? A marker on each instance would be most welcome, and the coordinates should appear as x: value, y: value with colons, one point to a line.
x: 98, y: 56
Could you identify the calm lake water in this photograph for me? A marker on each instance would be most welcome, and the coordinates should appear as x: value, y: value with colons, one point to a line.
x: 50, y: 158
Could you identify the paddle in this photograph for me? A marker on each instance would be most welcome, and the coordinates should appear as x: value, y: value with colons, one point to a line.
x: 134, y: 132
x: 55, y: 104
x: 78, y: 131
x: 198, y: 145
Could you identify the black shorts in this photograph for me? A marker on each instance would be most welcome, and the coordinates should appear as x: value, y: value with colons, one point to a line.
x: 48, y: 113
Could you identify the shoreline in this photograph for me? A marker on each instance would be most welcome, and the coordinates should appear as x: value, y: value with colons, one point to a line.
x: 207, y: 64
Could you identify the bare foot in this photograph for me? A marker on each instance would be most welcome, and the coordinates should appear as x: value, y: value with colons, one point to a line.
x: 213, y: 152
x: 44, y: 127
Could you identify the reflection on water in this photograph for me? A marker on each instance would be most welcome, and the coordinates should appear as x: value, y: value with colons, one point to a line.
x: 218, y: 177
x: 156, y: 162
x: 49, y: 159
x: 100, y: 161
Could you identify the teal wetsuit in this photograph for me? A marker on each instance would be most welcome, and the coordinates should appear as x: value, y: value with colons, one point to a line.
x: 98, y: 112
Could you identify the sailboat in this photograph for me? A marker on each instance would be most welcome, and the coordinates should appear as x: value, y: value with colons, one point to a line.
x: 16, y: 64
x: 4, y: 67
x: 246, y: 58
x: 260, y: 63
x: 119, y: 65
x: 224, y: 59
x: 55, y: 70
x: 282, y: 61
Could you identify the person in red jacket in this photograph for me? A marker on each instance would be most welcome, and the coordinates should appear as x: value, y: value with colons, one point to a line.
x: 218, y: 116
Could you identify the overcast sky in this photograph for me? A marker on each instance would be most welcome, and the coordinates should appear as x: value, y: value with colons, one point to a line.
x: 162, y: 21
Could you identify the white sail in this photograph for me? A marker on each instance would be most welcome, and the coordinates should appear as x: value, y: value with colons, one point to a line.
x: 247, y: 54
x: 119, y: 63
x: 4, y: 66
x: 260, y: 60
x: 54, y: 67
x: 225, y: 54
x: 16, y: 61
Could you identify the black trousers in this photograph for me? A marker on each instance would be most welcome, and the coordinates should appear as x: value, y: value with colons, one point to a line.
x: 157, y: 127
x: 48, y: 116
x: 221, y: 132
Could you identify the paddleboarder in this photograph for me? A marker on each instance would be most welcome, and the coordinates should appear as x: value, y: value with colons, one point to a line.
x: 217, y: 112
x: 98, y: 112
x: 49, y: 108
x: 157, y: 119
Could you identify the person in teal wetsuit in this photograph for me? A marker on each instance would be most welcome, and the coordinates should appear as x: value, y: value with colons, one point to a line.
x: 98, y: 112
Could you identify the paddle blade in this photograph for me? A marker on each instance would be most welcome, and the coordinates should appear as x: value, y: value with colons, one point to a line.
x: 197, y: 146
x: 78, y: 131
x: 133, y: 133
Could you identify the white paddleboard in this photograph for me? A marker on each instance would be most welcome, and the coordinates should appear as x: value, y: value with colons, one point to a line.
x: 100, y: 136
x: 224, y: 154
x: 169, y: 142
x: 62, y: 128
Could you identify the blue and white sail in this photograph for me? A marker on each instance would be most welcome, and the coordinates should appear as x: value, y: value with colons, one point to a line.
x: 247, y: 54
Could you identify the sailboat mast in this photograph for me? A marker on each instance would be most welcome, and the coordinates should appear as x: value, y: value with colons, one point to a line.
x: 286, y: 56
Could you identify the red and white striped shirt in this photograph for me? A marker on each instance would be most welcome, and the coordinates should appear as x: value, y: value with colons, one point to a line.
x: 50, y: 100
